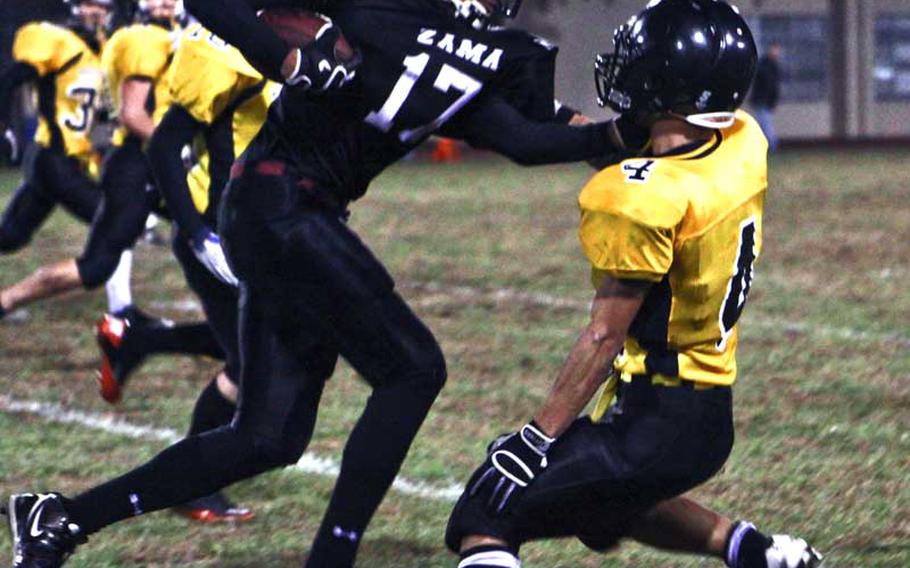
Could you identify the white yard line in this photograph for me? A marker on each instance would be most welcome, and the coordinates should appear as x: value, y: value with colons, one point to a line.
x: 111, y: 424
x: 439, y: 294
x: 434, y: 294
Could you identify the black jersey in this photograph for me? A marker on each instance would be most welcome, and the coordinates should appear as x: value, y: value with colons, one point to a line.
x: 423, y: 72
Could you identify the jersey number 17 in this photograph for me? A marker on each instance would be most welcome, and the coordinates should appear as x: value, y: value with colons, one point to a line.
x: 449, y: 78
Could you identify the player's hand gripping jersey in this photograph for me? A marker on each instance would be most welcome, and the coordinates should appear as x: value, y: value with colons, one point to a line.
x: 139, y: 51
x: 214, y: 83
x: 70, y: 81
x: 692, y: 224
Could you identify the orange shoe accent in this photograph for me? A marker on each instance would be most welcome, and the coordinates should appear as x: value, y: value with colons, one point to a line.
x: 107, y: 384
x: 208, y: 516
x: 109, y: 335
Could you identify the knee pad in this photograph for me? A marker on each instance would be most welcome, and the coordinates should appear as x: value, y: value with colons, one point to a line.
x: 95, y: 270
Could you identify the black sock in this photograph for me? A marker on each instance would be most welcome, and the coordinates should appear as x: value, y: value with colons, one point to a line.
x: 489, y: 556
x: 746, y: 547
x: 193, y: 467
x: 2, y: 311
x: 188, y: 339
x: 372, y: 457
x: 211, y: 411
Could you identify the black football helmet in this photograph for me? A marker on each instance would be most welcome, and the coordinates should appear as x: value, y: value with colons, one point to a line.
x: 694, y: 59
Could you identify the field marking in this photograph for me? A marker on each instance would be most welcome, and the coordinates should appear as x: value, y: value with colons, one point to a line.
x: 444, y: 294
x: 111, y: 424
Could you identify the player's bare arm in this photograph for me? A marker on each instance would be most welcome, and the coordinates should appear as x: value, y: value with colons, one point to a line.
x: 591, y: 360
x: 134, y: 115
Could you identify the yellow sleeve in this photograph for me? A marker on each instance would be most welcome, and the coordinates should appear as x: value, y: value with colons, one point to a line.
x: 138, y: 51
x: 625, y: 248
x: 38, y: 44
x: 628, y: 230
x: 206, y: 78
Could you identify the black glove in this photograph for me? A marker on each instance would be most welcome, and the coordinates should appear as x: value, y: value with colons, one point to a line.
x: 514, y: 461
x: 627, y: 136
x: 317, y: 66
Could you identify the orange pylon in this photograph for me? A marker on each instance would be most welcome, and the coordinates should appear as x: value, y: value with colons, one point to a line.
x: 446, y: 150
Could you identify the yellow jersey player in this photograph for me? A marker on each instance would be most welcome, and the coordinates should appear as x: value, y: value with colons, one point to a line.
x: 63, y: 62
x: 218, y: 103
x: 135, y: 60
x: 672, y: 238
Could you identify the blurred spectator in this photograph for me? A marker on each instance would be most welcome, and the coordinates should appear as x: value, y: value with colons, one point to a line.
x: 766, y: 92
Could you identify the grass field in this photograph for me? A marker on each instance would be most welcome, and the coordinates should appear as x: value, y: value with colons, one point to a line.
x: 487, y: 254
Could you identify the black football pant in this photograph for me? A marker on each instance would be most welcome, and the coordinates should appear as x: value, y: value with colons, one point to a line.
x: 129, y: 197
x: 49, y: 178
x: 656, y: 443
x: 219, y: 304
x: 311, y: 291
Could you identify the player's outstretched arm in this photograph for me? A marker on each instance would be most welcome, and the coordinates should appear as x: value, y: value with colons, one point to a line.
x: 176, y: 130
x: 495, y: 125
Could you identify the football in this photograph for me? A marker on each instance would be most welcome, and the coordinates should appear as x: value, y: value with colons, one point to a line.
x: 299, y: 27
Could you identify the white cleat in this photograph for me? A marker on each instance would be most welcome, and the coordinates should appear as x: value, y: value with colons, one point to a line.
x: 788, y: 552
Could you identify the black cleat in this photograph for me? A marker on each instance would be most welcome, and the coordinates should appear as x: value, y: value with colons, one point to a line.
x: 215, y: 508
x: 43, y: 536
x: 135, y: 316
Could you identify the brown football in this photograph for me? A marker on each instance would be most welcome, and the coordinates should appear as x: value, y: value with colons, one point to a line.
x: 299, y: 27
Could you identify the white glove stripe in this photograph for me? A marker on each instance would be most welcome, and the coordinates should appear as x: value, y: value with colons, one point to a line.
x: 505, y: 472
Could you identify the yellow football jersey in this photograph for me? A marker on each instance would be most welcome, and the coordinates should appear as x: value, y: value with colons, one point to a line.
x: 218, y: 87
x: 69, y: 85
x: 139, y: 51
x: 692, y: 224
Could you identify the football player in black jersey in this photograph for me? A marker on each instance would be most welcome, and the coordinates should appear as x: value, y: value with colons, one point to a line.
x: 310, y: 288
